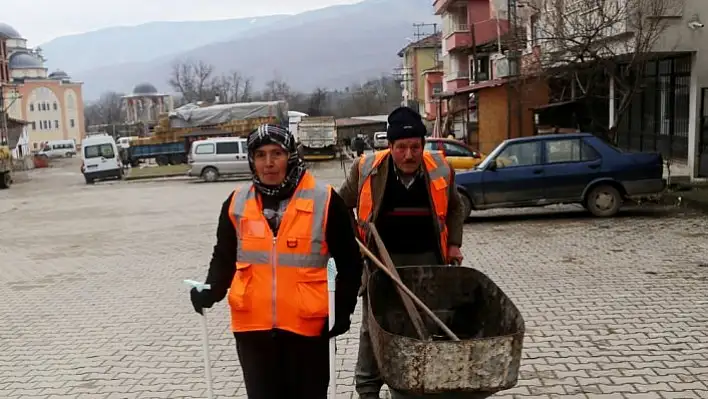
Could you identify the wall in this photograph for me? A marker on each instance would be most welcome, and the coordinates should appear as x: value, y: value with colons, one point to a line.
x: 431, y: 107
x: 424, y: 60
x: 4, y: 69
x: 493, y: 113
x: 69, y: 107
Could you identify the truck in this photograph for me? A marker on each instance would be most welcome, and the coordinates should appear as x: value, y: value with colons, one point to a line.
x: 318, y: 136
x: 175, y: 131
x: 5, y: 167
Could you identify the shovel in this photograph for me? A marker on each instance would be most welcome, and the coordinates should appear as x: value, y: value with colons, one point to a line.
x: 205, y: 339
x: 331, y: 285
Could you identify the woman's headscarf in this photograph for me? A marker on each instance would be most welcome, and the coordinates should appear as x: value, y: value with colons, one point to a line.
x: 275, y: 134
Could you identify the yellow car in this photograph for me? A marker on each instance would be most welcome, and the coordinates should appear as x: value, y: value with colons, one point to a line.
x: 457, y: 154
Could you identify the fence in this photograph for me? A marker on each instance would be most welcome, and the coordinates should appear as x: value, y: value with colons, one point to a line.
x: 657, y: 119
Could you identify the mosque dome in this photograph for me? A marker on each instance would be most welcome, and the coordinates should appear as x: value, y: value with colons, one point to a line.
x: 25, y: 61
x: 8, y: 32
x: 59, y: 75
x: 144, y: 88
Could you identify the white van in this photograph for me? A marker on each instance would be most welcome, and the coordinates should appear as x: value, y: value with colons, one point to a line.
x: 218, y: 156
x: 59, y: 148
x: 100, y: 158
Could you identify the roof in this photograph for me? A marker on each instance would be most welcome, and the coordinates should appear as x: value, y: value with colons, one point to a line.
x: 375, y: 118
x: 550, y: 136
x: 22, y: 60
x: 345, y: 122
x: 8, y: 32
x: 144, y: 88
x: 432, y: 41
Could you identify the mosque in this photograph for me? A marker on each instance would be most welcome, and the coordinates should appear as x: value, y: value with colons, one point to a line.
x: 50, y: 103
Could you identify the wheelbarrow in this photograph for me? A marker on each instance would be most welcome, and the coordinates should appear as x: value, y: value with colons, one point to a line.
x: 490, y: 328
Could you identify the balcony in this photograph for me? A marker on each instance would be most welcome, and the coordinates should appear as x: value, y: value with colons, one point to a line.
x: 441, y: 6
x: 459, y: 38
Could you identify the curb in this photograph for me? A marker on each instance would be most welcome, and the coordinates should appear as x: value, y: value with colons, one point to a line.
x: 683, y: 199
x: 153, y: 177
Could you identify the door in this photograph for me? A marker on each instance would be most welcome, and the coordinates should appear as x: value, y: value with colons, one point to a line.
x: 100, y: 157
x: 518, y: 176
x: 243, y: 167
x: 228, y: 157
x: 570, y: 165
x: 702, y: 148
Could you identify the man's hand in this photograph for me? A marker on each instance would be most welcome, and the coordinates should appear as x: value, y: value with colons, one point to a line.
x: 454, y: 255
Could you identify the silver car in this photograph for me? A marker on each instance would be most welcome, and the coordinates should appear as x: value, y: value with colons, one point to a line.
x: 220, y: 156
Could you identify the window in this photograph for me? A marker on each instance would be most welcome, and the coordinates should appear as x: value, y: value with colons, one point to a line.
x: 432, y: 146
x: 520, y: 154
x: 31, y: 107
x: 204, y: 149
x: 55, y: 106
x: 44, y: 123
x: 453, y: 150
x: 228, y: 148
x: 575, y: 150
x: 482, y: 65
x: 56, y: 124
x: 437, y: 88
x: 72, y: 123
x: 34, y: 126
x: 99, y: 150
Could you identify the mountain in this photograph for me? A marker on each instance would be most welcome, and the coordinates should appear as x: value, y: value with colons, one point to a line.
x: 331, y: 47
x: 141, y: 43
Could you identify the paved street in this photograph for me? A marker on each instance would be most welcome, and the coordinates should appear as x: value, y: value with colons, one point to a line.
x: 94, y: 305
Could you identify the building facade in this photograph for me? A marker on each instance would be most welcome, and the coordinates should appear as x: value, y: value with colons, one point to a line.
x: 51, y: 103
x: 417, y: 58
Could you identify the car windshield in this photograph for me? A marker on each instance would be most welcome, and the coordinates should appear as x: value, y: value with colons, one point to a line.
x: 99, y: 150
x: 491, y: 156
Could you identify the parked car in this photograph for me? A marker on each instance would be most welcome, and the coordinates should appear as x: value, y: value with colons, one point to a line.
x: 459, y: 155
x: 218, y: 156
x: 100, y: 158
x: 380, y: 140
x: 560, y: 168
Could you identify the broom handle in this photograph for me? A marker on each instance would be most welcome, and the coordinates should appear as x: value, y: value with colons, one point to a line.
x: 408, y: 292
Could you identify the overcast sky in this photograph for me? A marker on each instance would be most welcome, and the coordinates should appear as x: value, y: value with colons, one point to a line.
x: 42, y: 20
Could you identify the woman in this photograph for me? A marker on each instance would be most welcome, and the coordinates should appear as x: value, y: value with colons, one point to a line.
x: 285, y: 226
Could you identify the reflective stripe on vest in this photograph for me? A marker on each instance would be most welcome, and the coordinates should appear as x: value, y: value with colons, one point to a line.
x: 439, y: 175
x: 281, y: 282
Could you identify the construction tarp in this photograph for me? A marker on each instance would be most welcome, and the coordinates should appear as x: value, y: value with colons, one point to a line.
x: 192, y: 115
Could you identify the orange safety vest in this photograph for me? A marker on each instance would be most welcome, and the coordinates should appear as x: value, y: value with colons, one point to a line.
x: 439, y: 172
x: 281, y: 282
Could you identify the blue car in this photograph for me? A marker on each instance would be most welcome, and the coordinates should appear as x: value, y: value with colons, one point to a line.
x: 576, y: 168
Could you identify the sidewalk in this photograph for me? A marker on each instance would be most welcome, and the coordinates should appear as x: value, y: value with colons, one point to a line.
x: 685, y: 194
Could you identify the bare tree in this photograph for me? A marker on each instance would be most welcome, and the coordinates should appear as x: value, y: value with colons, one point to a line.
x: 107, y: 110
x: 276, y: 89
x: 586, y: 44
x: 192, y: 80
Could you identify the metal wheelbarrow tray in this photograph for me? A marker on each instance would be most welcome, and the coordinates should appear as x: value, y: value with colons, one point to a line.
x: 490, y: 327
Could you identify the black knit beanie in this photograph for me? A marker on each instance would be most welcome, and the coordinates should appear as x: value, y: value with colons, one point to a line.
x: 405, y: 123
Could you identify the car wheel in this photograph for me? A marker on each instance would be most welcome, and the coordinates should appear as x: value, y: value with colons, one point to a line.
x: 5, y: 180
x: 466, y: 204
x: 89, y: 180
x: 210, y: 175
x: 604, y: 201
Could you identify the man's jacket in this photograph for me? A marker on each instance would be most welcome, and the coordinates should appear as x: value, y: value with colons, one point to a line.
x: 379, y: 176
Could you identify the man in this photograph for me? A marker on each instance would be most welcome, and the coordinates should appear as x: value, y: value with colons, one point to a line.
x: 358, y: 145
x: 274, y: 238
x: 409, y: 194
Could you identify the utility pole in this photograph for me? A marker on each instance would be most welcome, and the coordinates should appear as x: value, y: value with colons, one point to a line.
x: 4, y: 137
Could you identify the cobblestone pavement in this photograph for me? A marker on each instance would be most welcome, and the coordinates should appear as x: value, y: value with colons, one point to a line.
x: 94, y: 305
